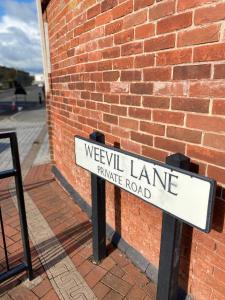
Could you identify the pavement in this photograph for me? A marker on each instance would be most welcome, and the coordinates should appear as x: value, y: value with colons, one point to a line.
x: 60, y: 232
x: 28, y: 125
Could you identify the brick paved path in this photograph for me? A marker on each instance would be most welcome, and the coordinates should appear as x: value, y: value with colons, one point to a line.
x: 115, y: 278
x: 61, y: 242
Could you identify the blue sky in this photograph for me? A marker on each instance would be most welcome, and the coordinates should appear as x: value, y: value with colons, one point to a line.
x: 2, y: 6
x: 19, y: 35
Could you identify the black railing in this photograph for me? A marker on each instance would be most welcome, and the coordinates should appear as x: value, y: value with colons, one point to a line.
x: 26, y: 265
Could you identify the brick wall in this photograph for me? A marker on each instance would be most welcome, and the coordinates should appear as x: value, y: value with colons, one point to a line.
x: 149, y: 74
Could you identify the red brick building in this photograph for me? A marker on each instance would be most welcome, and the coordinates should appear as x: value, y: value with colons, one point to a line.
x: 149, y: 74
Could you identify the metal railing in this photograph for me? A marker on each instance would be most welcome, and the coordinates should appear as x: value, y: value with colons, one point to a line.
x: 26, y: 265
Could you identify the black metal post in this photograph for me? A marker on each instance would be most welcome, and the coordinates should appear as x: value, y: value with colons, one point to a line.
x: 98, y: 209
x: 170, y: 243
x: 21, y: 203
x: 4, y: 240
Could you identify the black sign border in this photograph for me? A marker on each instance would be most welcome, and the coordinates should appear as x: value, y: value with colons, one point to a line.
x: 212, y: 182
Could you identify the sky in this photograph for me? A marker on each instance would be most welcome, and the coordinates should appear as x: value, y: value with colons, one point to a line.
x: 19, y: 36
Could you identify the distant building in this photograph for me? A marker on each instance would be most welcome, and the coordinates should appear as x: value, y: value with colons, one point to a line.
x: 39, y: 79
x: 9, y: 76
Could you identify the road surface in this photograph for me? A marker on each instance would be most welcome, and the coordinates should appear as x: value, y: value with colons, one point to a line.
x: 28, y: 125
x: 10, y: 105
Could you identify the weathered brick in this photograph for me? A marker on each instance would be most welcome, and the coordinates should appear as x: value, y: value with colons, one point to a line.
x: 119, y: 87
x: 135, y: 19
x: 214, y: 140
x: 174, y: 57
x: 141, y: 88
x: 157, y: 74
x: 133, y: 75
x: 215, y: 124
x: 217, y: 173
x: 102, y: 19
x: 113, y: 27
x: 211, y: 52
x: 191, y: 104
x: 128, y: 123
x: 184, y: 4
x: 130, y: 100
x: 105, y: 65
x: 108, y: 4
x: 122, y: 9
x: 119, y: 110
x: 123, y: 63
x: 159, y: 43
x: 132, y: 147
x: 93, y: 11
x: 124, y: 36
x: 170, y: 88
x: 110, y: 98
x: 212, y: 13
x: 169, y: 145
x: 111, y: 52
x: 207, y: 88
x: 131, y: 48
x: 169, y: 117
x: 197, y: 36
x: 142, y: 61
x: 94, y: 56
x: 138, y: 4
x: 154, y: 153
x: 219, y: 107
x: 120, y: 132
x: 162, y: 9
x: 142, y: 138
x: 144, y: 31
x: 96, y: 96
x: 192, y: 72
x: 90, y: 105
x: 105, y: 42
x: 173, y: 23
x: 85, y: 95
x: 111, y: 76
x: 205, y: 154
x: 110, y: 119
x: 139, y: 113
x: 178, y: 133
x: 102, y: 87
x: 156, y: 102
x: 153, y: 128
x: 219, y: 71
x: 103, y: 107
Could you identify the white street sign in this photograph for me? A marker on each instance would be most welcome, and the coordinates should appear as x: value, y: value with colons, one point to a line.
x: 183, y: 194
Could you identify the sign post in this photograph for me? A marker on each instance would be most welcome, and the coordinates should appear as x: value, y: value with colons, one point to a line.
x: 170, y: 244
x: 183, y: 196
x: 98, y: 209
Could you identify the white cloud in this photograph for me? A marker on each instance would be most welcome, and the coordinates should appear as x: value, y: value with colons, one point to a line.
x: 19, y: 36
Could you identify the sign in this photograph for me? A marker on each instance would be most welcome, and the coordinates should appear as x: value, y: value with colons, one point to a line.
x: 183, y: 194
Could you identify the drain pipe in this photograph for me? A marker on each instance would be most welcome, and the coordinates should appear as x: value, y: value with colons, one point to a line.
x: 43, y: 46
